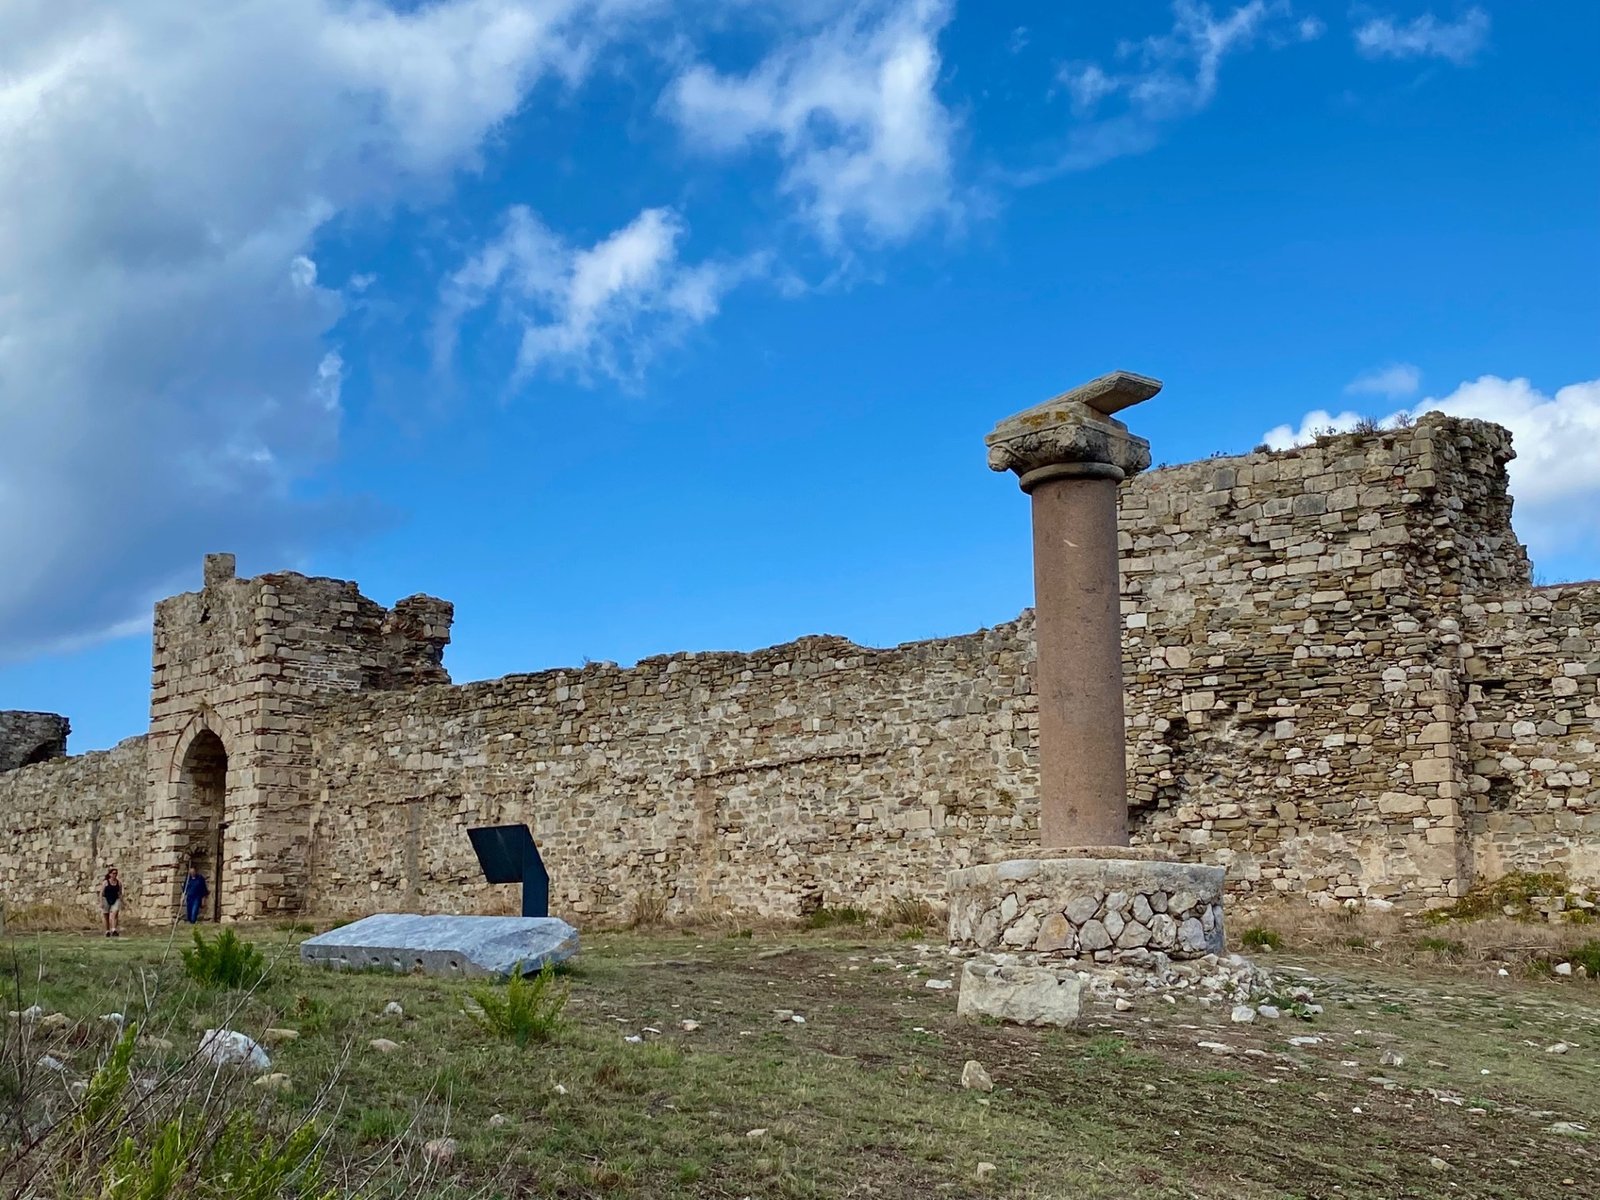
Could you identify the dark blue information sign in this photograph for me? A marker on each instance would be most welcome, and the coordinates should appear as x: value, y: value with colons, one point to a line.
x: 507, y: 855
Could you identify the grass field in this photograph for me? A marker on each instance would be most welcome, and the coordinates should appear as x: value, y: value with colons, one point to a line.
x: 862, y: 1097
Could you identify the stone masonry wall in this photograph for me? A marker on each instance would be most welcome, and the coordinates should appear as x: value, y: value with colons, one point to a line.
x: 1339, y: 685
x: 65, y: 821
x: 30, y: 737
x: 239, y: 668
x: 1531, y: 726
x: 1295, y: 691
x: 813, y: 773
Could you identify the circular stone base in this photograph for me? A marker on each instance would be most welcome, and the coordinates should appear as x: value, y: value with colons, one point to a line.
x: 1088, y: 907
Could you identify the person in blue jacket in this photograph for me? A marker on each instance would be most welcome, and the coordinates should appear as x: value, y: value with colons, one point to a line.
x: 194, y: 894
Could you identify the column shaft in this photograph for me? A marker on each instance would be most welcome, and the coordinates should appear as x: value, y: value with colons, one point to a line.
x: 1083, y: 796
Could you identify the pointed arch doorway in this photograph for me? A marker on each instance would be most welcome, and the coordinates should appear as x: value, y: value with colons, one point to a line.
x: 203, y: 791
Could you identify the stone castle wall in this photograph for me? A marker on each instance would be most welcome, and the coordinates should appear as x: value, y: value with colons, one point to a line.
x: 31, y: 737
x: 1339, y: 684
x: 63, y: 822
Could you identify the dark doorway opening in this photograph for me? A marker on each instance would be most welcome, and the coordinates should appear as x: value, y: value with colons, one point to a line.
x: 204, y: 783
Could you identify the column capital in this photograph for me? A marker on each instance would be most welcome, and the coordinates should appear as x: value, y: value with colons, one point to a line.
x: 1075, y: 434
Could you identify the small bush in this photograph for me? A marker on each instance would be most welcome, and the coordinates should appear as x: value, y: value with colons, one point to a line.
x: 528, y: 1009
x: 1587, y: 956
x: 1445, y: 948
x: 1514, y: 891
x: 827, y: 918
x: 1257, y: 938
x: 227, y: 961
x: 905, y: 911
x: 648, y: 910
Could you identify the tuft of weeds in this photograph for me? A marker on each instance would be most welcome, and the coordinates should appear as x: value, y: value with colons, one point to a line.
x: 1514, y: 891
x: 1446, y: 948
x: 829, y: 918
x: 527, y: 1009
x: 1257, y: 938
x: 227, y: 961
x: 648, y: 910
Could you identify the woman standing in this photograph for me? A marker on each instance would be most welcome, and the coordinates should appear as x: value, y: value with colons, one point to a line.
x: 111, y: 902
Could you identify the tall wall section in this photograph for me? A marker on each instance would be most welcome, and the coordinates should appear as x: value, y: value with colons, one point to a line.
x: 1530, y: 728
x: 239, y: 669
x: 64, y: 821
x: 1298, y: 711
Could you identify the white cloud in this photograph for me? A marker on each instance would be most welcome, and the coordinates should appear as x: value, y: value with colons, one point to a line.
x: 1316, y: 423
x: 166, y: 379
x: 1167, y: 78
x: 600, y: 310
x: 852, y: 109
x: 1393, y: 382
x: 1556, y: 474
x: 1426, y: 36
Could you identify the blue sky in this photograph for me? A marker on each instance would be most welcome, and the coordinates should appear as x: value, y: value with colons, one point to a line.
x: 639, y: 326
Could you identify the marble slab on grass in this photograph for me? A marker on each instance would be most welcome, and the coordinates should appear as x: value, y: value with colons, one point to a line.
x: 470, y: 947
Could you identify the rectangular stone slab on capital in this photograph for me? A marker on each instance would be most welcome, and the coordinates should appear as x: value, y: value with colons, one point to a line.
x: 469, y: 947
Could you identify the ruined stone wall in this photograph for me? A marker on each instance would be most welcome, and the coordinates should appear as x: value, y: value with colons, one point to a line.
x: 817, y: 772
x: 1531, y: 728
x: 31, y: 737
x: 1339, y: 685
x: 1296, y: 700
x: 65, y: 821
x: 1290, y: 649
x: 239, y: 669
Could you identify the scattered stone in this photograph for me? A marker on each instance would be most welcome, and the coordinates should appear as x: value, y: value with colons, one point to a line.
x: 78, y: 1088
x: 1216, y: 1047
x: 1568, y: 1129
x: 32, y: 1013
x: 152, y: 1042
x: 1021, y: 995
x: 1390, y: 1058
x: 113, y: 1018
x: 634, y: 1038
x: 440, y: 1150
x: 384, y: 1045
x: 1243, y: 1014
x: 1305, y: 1041
x: 975, y: 1078
x: 560, y: 1089
x: 499, y: 1121
x: 393, y: 1009
x: 1558, y: 1048
x: 1122, y: 1004
x: 756, y: 1133
x: 784, y: 1015
x: 798, y: 1019
x: 939, y: 985
x: 688, y: 1026
x: 1269, y: 1012
x: 275, y: 1082
x: 1438, y: 1164
x: 225, y: 1047
x: 276, y: 1036
x: 1564, y: 968
x: 985, y: 1169
x: 49, y: 1062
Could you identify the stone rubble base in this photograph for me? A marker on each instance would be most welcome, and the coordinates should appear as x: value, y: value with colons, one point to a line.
x: 1100, y: 908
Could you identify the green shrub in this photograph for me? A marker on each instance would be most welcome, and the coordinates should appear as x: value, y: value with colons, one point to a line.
x: 1257, y: 938
x: 228, y: 961
x: 1515, y: 891
x: 1444, y: 947
x: 827, y: 918
x: 1587, y: 956
x: 242, y: 1163
x: 528, y: 1009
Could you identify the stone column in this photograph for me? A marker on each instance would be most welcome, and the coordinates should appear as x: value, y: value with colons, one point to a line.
x: 1069, y: 454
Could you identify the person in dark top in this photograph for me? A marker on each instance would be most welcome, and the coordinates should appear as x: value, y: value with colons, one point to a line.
x: 195, y: 892
x: 111, y: 902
